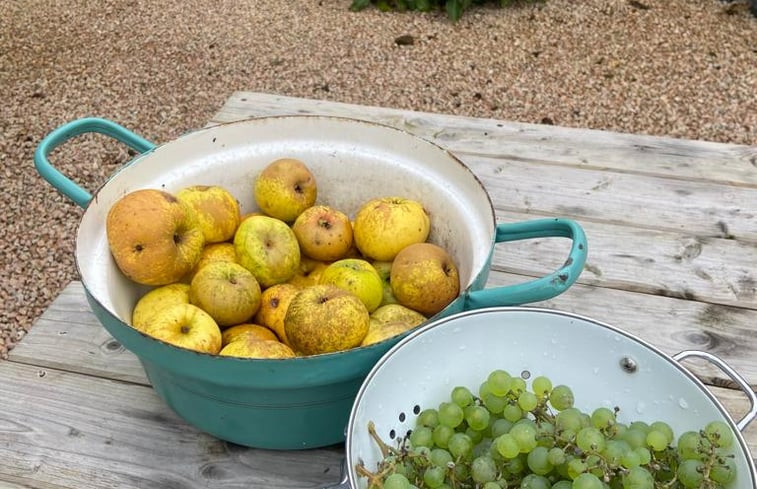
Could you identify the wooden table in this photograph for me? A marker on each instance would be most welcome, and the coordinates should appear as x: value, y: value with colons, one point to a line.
x: 672, y: 230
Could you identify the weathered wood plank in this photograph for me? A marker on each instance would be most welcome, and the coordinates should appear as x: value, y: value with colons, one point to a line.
x: 625, y: 153
x: 69, y: 430
x: 713, y: 270
x: 673, y: 325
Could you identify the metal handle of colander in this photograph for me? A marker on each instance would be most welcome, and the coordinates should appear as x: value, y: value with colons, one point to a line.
x: 344, y: 480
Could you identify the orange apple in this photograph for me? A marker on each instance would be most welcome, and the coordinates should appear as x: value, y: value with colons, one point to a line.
x: 424, y: 278
x: 227, y: 291
x: 324, y: 233
x: 217, y: 210
x: 274, y: 303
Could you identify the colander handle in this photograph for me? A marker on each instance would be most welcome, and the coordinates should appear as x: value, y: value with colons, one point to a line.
x: 344, y: 480
x: 730, y: 372
x: 545, y: 287
x: 74, y: 128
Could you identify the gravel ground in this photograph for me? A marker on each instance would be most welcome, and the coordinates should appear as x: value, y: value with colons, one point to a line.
x: 681, y: 68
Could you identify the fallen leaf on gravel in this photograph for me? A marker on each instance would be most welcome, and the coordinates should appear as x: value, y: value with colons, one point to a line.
x: 638, y: 5
x: 404, y: 40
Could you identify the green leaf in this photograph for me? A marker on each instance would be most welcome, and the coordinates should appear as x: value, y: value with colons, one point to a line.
x: 401, y: 5
x: 454, y: 10
x: 383, y: 5
x: 358, y: 5
x: 423, y: 5
x: 504, y: 3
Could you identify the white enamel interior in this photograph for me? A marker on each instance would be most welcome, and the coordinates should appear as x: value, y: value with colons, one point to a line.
x: 585, y: 355
x: 352, y: 161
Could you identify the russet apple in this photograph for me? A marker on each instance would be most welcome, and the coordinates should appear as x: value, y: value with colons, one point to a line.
x: 324, y: 233
x: 358, y: 277
x: 216, y: 209
x: 186, y: 326
x: 386, y: 225
x: 156, y: 300
x: 325, y: 319
x: 249, y: 347
x: 308, y: 273
x: 384, y: 269
x: 424, y: 278
x: 211, y: 253
x: 285, y: 188
x: 392, y: 313
x: 154, y: 237
x: 227, y: 291
x: 239, y: 331
x: 378, y: 331
x: 274, y: 303
x: 268, y: 248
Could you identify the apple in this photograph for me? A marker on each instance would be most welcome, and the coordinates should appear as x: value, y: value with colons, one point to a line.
x: 274, y: 303
x: 186, y: 326
x: 238, y: 331
x: 285, y: 188
x: 358, y: 277
x: 392, y: 313
x: 156, y: 300
x: 268, y: 248
x: 386, y: 225
x: 211, y: 253
x: 227, y: 291
x: 324, y: 233
x: 378, y: 331
x: 324, y: 319
x: 384, y: 269
x: 217, y: 210
x: 153, y: 237
x: 249, y: 347
x: 308, y: 273
x: 424, y: 278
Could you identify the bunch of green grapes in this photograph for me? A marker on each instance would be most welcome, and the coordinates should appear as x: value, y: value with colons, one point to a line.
x: 509, y: 436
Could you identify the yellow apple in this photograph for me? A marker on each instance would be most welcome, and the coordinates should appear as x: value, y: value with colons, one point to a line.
x: 239, y: 331
x: 186, y: 326
x: 227, y: 291
x: 384, y: 269
x: 308, y: 273
x: 211, y: 253
x: 249, y: 347
x: 358, y: 277
x: 268, y: 248
x: 285, y: 188
x: 154, y: 237
x: 385, y: 225
x: 273, y: 308
x: 217, y: 210
x: 378, y: 331
x: 324, y: 233
x: 393, y: 313
x: 156, y: 300
x: 324, y: 319
x: 424, y: 278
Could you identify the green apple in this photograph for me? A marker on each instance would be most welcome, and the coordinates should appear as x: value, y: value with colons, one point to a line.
x: 268, y: 248
x: 358, y: 277
x: 386, y: 225
x: 186, y: 326
x: 227, y: 291
x: 285, y: 188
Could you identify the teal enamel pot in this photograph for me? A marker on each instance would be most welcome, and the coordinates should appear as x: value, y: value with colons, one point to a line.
x: 302, y: 402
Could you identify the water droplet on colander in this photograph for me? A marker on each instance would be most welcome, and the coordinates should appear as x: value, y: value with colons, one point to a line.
x: 682, y: 402
x: 596, y: 370
x: 457, y: 330
x: 640, y: 406
x: 546, y: 353
x: 462, y: 347
x: 553, y: 341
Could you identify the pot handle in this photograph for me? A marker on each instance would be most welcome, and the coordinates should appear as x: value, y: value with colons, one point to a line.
x: 542, y: 288
x: 74, y: 128
x: 735, y: 376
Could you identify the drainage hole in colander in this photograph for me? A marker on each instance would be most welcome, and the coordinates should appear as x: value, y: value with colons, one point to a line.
x: 416, y: 409
x: 525, y: 375
x: 392, y: 434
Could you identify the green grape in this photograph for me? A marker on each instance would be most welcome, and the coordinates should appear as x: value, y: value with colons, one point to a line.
x: 645, y: 456
x: 665, y: 429
x: 576, y: 467
x: 495, y: 404
x: 507, y: 446
x: 556, y: 456
x: 483, y: 469
x: 639, y: 425
x: 421, y: 451
x: 483, y: 389
x: 450, y: 414
x: 441, y: 435
x: 723, y: 473
x: 475, y: 436
x: 498, y: 382
x: 656, y: 440
x: 630, y: 459
x: 461, y: 472
x: 568, y: 419
x: 587, y: 481
x: 516, y: 465
x: 440, y: 457
x: 422, y: 436
x: 500, y: 427
x: 691, y: 473
x: 602, y: 418
x: 535, y: 481
x: 545, y: 433
x: 719, y: 434
x: 428, y: 417
x: 460, y: 445
x: 563, y: 484
x: 538, y: 461
x: 434, y: 476
x: 541, y: 386
x: 561, y: 397
x: 590, y: 439
x: 527, y: 401
x: 462, y: 396
x: 396, y: 481
x: 638, y: 478
x: 594, y: 465
x: 524, y: 435
x: 635, y: 437
x: 512, y: 413
x: 491, y: 485
x: 477, y: 417
x: 517, y: 386
x: 689, y: 444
